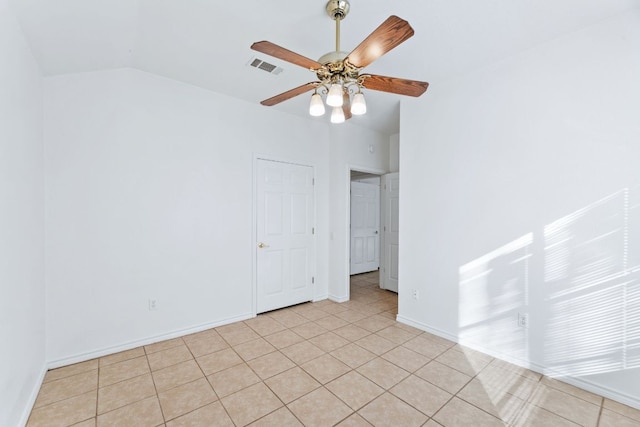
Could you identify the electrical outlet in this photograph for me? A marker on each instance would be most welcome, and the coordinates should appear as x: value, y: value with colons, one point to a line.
x: 153, y: 304
x: 523, y: 320
x: 415, y: 294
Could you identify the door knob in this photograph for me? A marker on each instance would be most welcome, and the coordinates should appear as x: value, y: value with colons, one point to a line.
x: 262, y: 245
x: 375, y: 232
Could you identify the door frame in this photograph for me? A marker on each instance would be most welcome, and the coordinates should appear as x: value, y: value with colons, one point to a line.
x: 254, y: 223
x: 346, y: 285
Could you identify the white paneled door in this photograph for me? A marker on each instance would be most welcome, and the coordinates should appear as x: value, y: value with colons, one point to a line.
x: 365, y: 224
x: 285, y: 235
x: 390, y: 212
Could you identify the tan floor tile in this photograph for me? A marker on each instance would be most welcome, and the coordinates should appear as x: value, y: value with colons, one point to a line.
x: 388, y: 410
x: 411, y: 329
x: 354, y: 420
x: 144, y: 413
x: 65, y: 412
x: 312, y: 313
x: 64, y: 388
x: 325, y: 368
x: 125, y: 392
x: 230, y: 327
x: 280, y: 418
x: 395, y: 334
x: 68, y: 371
x: 353, y: 355
x: 292, y: 384
x: 625, y: 410
x: 288, y: 318
x: 329, y: 341
x: 212, y: 415
x: 121, y: 371
x: 163, y: 345
x: 425, y: 347
x: 432, y: 423
x: 420, y: 394
x: 613, y: 419
x: 501, y: 364
x: 572, y: 390
x: 460, y: 413
x: 331, y: 322
x: 87, y: 423
x: 443, y: 376
x: 252, y: 349
x: 565, y: 405
x: 284, y: 339
x: 335, y: 308
x: 202, y: 335
x: 407, y: 359
x: 383, y: 373
x: 532, y: 416
x: 376, y: 344
x: 302, y: 352
x: 468, y: 364
x: 121, y: 356
x: 374, y: 323
x: 233, y: 379
x: 354, y: 389
x: 493, y: 400
x: 498, y: 379
x: 264, y: 325
x: 218, y: 361
x: 206, y: 345
x: 251, y: 404
x: 352, y: 332
x: 168, y: 357
x: 309, y: 330
x: 176, y: 375
x: 238, y: 336
x: 271, y: 364
x: 351, y: 316
x: 320, y: 408
x: 186, y: 398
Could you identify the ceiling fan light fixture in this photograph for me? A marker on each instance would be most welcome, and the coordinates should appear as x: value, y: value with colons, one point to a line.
x: 358, y: 105
x: 334, y: 97
x: 337, y: 115
x: 316, y: 107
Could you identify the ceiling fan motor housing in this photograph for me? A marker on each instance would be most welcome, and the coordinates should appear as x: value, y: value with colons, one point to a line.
x: 338, y: 9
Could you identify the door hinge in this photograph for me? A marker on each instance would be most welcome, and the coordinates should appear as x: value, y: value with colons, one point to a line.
x: 313, y: 181
x: 384, y: 228
x: 313, y: 280
x: 313, y: 230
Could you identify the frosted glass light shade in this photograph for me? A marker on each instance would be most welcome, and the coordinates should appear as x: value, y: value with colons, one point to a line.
x: 316, y: 107
x: 358, y: 106
x: 337, y: 115
x: 334, y: 98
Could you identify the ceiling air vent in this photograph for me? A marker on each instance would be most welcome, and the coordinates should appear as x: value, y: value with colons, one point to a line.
x: 269, y: 68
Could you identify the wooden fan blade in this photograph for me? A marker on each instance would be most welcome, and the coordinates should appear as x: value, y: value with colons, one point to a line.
x: 289, y: 94
x: 286, y: 55
x: 346, y: 105
x: 388, y: 35
x: 395, y: 85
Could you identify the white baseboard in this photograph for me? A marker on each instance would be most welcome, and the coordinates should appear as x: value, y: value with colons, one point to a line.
x: 320, y: 297
x: 33, y: 396
x: 338, y: 299
x: 609, y: 393
x: 145, y: 341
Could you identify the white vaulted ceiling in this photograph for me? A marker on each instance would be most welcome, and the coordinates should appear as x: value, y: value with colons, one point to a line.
x: 206, y: 42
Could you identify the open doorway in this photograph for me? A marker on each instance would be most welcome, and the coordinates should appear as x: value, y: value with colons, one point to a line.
x: 374, y: 226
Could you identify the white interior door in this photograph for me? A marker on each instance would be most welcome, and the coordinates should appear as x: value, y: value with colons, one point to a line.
x: 285, y: 247
x: 365, y: 225
x: 390, y: 185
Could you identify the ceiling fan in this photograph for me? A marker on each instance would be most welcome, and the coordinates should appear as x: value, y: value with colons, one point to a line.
x: 339, y: 73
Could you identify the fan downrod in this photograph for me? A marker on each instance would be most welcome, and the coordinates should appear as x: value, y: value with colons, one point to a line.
x: 338, y: 9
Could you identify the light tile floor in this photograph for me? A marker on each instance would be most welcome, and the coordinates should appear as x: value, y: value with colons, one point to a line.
x: 315, y: 364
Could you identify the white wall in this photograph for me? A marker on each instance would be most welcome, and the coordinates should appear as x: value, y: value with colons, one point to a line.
x: 149, y: 195
x: 520, y: 194
x: 394, y: 152
x: 359, y: 149
x: 22, y: 294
